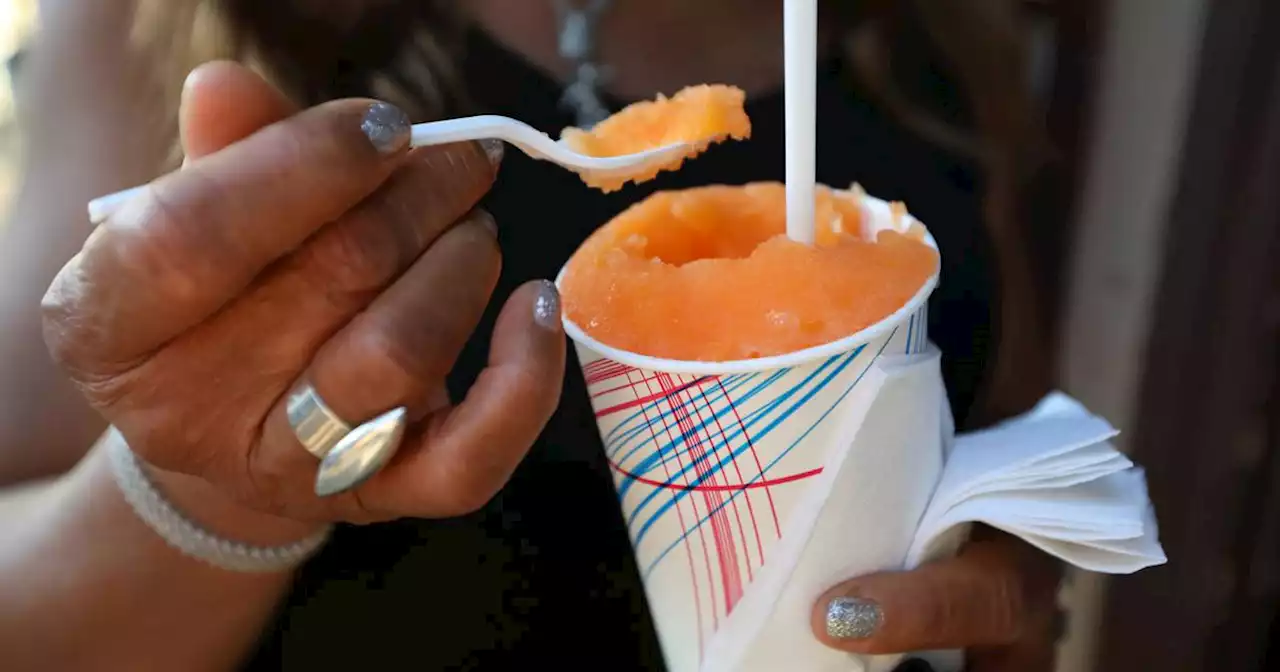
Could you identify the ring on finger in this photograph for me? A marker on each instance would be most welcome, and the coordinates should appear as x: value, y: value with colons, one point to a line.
x: 362, y: 453
x: 315, y: 425
x: 348, y: 456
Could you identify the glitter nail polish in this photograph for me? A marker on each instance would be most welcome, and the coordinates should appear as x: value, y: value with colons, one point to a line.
x: 386, y: 126
x: 494, y: 149
x: 546, y: 308
x: 852, y: 618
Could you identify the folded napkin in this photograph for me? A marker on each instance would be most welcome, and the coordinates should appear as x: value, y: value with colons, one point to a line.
x: 1051, y: 478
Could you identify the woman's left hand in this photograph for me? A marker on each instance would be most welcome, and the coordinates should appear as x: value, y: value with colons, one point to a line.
x: 997, y: 599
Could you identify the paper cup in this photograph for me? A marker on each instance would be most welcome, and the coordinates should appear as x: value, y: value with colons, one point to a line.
x: 709, y: 459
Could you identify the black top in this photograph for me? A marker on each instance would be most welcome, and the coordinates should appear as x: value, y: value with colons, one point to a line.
x: 544, y: 576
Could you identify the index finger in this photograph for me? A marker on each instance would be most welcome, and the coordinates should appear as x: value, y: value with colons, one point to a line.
x: 195, y: 238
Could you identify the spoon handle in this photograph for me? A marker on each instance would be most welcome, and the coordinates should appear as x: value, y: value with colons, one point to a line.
x: 423, y: 135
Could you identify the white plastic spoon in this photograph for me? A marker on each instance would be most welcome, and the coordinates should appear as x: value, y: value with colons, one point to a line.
x: 524, y: 137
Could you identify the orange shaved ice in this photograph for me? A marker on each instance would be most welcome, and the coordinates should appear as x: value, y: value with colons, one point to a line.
x: 708, y: 274
x: 698, y: 116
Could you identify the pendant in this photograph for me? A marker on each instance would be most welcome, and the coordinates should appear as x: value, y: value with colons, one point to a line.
x: 583, y: 96
x: 577, y: 44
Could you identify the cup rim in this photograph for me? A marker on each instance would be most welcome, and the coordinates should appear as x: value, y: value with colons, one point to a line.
x: 788, y: 360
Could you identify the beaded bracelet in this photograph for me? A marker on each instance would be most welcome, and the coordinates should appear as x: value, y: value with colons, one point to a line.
x: 191, y: 539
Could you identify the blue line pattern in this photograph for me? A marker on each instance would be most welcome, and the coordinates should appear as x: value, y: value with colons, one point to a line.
x: 706, y: 468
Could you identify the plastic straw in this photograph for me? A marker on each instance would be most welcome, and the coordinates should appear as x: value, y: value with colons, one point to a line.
x: 800, y: 27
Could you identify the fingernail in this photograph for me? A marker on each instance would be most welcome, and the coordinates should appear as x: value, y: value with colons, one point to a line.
x: 852, y: 618
x: 189, y: 84
x: 546, y: 308
x: 486, y: 220
x: 494, y: 149
x: 386, y: 126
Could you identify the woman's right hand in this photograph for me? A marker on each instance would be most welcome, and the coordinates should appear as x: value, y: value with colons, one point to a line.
x: 306, y: 247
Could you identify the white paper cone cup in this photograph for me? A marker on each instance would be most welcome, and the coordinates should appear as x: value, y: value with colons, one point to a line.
x: 712, y: 460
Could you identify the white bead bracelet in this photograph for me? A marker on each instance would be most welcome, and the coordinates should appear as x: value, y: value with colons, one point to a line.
x: 191, y: 539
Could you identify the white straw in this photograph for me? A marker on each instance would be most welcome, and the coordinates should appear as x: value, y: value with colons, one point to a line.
x: 800, y: 28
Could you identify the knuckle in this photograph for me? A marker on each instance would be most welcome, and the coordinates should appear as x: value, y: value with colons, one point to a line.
x: 169, y: 245
x: 383, y: 348
x: 348, y: 261
x: 77, y: 333
x: 62, y: 321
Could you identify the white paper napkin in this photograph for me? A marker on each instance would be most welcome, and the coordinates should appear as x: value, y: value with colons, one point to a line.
x: 1052, y: 478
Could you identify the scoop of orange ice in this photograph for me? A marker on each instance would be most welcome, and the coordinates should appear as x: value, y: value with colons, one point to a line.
x: 697, y: 116
x: 708, y: 274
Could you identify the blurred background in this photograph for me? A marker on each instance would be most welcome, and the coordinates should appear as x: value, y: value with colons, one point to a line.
x: 1159, y: 240
x: 17, y: 20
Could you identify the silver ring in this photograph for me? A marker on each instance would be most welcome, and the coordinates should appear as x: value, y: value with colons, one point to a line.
x: 317, y: 427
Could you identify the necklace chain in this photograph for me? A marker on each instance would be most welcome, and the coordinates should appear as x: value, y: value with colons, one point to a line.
x: 577, y: 43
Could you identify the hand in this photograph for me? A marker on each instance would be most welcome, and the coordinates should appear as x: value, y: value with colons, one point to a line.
x: 305, y: 246
x: 997, y: 599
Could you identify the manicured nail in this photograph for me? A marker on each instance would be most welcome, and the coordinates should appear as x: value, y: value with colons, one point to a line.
x: 387, y: 127
x: 494, y: 149
x: 852, y: 618
x: 546, y: 308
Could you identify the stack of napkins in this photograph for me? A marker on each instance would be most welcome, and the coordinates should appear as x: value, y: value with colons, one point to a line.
x: 1052, y: 478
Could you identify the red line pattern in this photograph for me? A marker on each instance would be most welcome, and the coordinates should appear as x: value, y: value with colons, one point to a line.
x: 732, y: 540
x: 663, y: 380
x: 721, y: 532
x: 719, y: 488
x: 693, y: 574
x: 777, y: 527
x: 702, y: 536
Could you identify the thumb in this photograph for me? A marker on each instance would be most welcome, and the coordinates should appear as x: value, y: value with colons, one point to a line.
x: 224, y: 102
x: 975, y: 599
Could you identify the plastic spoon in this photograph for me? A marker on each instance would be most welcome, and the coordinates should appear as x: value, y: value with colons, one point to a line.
x: 524, y: 137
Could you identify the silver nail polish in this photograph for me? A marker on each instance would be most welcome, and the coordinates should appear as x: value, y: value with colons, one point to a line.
x: 853, y: 618
x: 494, y: 149
x: 361, y: 453
x: 387, y: 127
x: 546, y: 308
